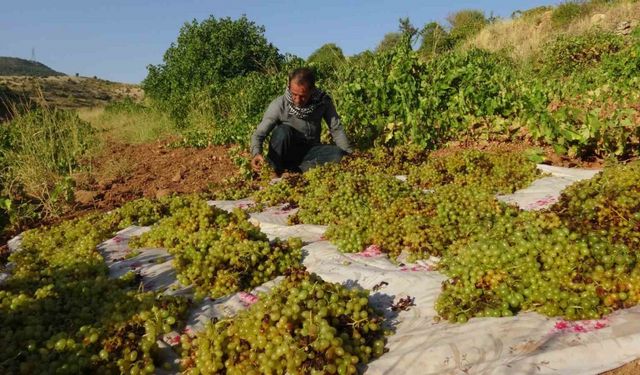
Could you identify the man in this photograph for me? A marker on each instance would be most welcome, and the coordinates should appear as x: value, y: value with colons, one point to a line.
x: 294, y: 121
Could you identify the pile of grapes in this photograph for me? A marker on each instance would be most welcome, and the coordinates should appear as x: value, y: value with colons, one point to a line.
x: 609, y: 203
x: 363, y: 205
x: 578, y: 260
x: 303, y: 326
x: 60, y: 313
x: 421, y: 225
x: 497, y: 172
x: 219, y: 252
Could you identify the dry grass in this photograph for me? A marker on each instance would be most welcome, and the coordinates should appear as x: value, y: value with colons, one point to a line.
x: 128, y: 127
x: 71, y: 92
x: 523, y: 37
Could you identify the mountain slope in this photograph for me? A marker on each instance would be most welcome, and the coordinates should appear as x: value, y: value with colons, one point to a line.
x: 13, y: 66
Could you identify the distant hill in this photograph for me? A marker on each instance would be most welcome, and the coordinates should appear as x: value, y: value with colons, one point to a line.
x: 67, y: 92
x: 13, y: 66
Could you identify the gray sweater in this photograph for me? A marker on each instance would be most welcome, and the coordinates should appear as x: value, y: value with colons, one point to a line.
x: 278, y: 113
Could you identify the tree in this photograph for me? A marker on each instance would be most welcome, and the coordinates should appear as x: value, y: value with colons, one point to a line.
x: 435, y: 39
x: 208, y: 54
x: 466, y: 23
x: 389, y: 41
x: 326, y: 59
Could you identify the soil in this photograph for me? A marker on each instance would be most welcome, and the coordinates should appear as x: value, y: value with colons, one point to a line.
x: 126, y: 172
x: 121, y: 173
x: 631, y: 368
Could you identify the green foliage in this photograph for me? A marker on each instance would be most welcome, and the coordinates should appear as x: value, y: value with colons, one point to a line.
x: 326, y: 60
x: 567, y: 53
x: 466, y: 23
x: 568, y: 11
x: 624, y: 67
x: 398, y: 99
x: 389, y: 42
x: 41, y: 148
x: 591, y: 111
x: 207, y: 54
x: 435, y: 40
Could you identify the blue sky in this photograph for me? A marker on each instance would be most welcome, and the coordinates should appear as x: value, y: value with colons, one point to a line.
x: 117, y: 39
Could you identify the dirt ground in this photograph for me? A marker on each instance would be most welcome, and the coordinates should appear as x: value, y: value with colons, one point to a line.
x: 122, y: 173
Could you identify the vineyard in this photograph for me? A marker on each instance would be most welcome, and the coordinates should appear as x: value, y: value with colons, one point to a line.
x: 464, y: 235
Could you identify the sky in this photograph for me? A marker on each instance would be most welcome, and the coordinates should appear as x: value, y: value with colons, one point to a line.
x: 117, y: 39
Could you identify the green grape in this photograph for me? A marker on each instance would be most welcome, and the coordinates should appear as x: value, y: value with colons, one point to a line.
x: 219, y: 252
x: 302, y: 326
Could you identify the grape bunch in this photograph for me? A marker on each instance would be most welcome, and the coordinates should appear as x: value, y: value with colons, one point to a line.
x: 219, y: 252
x: 535, y: 262
x: 303, y: 326
x: 287, y: 190
x: 498, y: 172
x: 608, y: 203
x: 61, y: 313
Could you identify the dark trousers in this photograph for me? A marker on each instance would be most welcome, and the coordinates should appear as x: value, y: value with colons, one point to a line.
x: 289, y: 150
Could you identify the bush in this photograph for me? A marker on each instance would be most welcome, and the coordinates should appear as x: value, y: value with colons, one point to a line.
x: 466, y: 23
x: 326, y: 60
x: 568, y: 11
x: 205, y: 55
x: 567, y: 53
x: 435, y: 40
x: 396, y: 99
x: 229, y: 113
x: 45, y: 146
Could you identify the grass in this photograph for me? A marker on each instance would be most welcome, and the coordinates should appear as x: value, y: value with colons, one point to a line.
x: 523, y: 37
x: 40, y: 149
x: 135, y: 126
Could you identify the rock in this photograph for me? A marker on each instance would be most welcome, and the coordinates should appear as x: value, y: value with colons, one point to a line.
x: 598, y: 17
x: 85, y: 196
x: 161, y: 193
x: 624, y: 28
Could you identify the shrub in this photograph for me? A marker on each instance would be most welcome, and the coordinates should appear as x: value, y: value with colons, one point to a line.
x: 566, y: 53
x: 326, y: 60
x: 568, y: 11
x: 396, y: 99
x: 45, y: 146
x: 435, y: 40
x: 208, y: 54
x: 466, y: 23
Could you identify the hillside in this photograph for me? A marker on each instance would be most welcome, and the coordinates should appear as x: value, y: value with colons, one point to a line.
x: 70, y: 92
x: 13, y: 66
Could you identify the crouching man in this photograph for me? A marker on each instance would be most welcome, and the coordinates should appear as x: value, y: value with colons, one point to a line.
x: 294, y: 122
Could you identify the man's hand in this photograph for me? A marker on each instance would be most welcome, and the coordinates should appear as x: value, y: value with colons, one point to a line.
x: 257, y: 162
